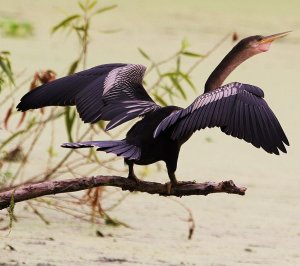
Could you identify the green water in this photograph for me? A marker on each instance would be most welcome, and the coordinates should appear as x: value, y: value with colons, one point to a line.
x: 266, y: 220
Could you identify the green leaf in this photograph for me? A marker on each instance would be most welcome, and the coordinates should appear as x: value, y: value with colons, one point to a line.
x: 160, y: 100
x: 178, y: 64
x: 7, y: 69
x: 178, y: 86
x: 188, y: 80
x: 69, y: 120
x: 81, y: 6
x: 81, y: 28
x: 169, y: 91
x: 192, y: 54
x: 92, y: 5
x: 112, y: 221
x: 1, y: 83
x: 143, y: 53
x: 73, y: 67
x: 5, y: 52
x: 51, y: 152
x: 110, y: 31
x: 168, y: 74
x: 64, y: 23
x: 184, y: 44
x: 101, y: 124
x: 104, y: 9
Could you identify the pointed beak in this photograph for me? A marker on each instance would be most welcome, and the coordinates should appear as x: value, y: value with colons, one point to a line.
x: 271, y: 38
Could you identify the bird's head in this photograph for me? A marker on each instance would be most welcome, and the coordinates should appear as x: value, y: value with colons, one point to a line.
x: 245, y: 49
x: 258, y: 43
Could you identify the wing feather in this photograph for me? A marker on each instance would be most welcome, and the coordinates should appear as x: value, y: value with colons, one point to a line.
x: 238, y: 109
x: 106, y: 92
x: 241, y: 116
x: 248, y: 129
x: 210, y: 109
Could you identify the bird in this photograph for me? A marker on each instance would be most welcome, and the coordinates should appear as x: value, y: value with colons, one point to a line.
x: 115, y: 93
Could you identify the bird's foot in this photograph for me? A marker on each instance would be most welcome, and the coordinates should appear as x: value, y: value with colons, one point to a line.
x: 134, y: 178
x: 171, y: 185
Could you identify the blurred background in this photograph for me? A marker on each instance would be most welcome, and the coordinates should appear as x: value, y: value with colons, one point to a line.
x: 113, y: 227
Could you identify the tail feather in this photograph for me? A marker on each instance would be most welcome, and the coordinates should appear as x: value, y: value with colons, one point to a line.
x: 118, y: 147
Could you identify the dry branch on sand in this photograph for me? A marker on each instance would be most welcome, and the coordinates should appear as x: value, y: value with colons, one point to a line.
x: 31, y: 191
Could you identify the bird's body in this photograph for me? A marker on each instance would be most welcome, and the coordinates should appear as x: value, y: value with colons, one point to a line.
x: 114, y: 92
x: 153, y: 149
x: 161, y: 148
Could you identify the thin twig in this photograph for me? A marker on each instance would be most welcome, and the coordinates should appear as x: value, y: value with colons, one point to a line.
x: 35, y: 211
x: 214, y: 48
x: 191, y: 220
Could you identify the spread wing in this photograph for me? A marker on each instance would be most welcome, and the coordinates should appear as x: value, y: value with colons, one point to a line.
x: 112, y: 92
x: 238, y: 109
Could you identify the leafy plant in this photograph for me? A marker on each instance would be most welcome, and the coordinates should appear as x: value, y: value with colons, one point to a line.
x: 169, y: 84
x: 6, y: 73
x: 16, y: 28
x: 166, y: 81
x: 80, y: 24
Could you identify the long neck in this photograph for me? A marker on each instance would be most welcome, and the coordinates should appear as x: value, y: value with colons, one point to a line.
x: 232, y: 60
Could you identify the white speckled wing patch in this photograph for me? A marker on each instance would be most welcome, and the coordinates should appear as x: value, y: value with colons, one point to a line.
x: 122, y: 77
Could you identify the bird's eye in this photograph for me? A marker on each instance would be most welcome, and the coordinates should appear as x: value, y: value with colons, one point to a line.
x: 259, y: 38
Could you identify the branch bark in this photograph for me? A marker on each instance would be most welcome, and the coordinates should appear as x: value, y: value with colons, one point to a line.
x: 31, y: 191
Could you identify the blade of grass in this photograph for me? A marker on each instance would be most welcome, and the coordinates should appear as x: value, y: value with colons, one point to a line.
x: 64, y: 23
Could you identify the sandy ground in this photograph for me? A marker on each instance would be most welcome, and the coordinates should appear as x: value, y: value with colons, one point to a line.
x: 260, y: 228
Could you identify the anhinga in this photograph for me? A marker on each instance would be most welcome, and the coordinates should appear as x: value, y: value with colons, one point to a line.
x: 114, y: 92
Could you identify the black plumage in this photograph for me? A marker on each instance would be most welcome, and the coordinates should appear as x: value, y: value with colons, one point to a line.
x: 114, y: 92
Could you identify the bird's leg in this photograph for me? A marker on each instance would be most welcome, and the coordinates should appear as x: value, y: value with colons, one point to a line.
x: 171, y: 167
x: 131, y: 174
x: 172, y: 177
x: 174, y: 181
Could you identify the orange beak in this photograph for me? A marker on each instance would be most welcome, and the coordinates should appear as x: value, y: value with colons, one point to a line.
x: 271, y: 38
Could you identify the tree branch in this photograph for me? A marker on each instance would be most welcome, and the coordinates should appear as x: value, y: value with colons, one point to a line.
x: 31, y: 191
